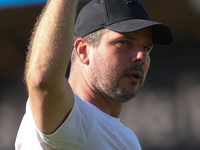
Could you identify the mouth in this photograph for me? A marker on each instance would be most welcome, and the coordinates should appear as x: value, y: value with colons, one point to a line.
x: 134, y: 77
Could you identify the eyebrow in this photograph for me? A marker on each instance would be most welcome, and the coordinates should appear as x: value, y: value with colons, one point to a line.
x: 150, y: 44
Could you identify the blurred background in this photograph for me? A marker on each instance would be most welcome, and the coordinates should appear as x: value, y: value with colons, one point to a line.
x: 166, y: 113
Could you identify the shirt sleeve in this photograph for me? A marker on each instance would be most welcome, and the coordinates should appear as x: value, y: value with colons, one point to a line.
x: 74, y: 131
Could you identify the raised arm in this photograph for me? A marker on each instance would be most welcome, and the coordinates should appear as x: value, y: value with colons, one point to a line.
x: 51, y: 97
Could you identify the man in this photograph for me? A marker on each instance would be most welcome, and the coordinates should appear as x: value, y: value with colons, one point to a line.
x: 109, y: 63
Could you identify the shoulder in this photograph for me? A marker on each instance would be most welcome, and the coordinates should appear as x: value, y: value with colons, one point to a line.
x: 76, y: 127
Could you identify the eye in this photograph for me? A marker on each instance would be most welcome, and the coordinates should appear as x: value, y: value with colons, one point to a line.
x: 124, y: 42
x: 148, y: 49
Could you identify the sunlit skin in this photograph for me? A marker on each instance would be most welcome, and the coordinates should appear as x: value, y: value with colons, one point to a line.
x: 115, y: 70
x: 121, y: 62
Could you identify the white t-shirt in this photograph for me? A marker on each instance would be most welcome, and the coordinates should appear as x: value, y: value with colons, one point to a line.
x: 86, y: 128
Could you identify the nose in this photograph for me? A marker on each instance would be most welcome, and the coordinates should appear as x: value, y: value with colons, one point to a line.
x: 140, y: 56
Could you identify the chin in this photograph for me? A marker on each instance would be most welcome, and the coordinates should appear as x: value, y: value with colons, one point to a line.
x: 123, y: 95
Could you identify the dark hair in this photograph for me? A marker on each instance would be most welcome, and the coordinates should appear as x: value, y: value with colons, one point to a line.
x: 94, y: 39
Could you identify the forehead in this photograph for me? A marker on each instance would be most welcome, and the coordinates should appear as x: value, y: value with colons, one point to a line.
x: 144, y: 35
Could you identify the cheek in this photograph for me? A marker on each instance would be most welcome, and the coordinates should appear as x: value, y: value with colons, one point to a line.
x: 147, y: 65
x: 102, y: 64
x: 111, y: 60
x: 148, y: 61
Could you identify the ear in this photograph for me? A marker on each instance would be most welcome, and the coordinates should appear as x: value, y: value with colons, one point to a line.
x: 81, y: 48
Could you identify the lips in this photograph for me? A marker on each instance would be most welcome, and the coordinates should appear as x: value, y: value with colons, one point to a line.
x: 134, y: 77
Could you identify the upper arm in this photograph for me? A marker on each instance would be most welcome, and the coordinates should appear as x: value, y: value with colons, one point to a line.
x: 50, y: 94
x: 50, y: 106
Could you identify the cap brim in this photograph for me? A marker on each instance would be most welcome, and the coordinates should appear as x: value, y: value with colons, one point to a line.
x: 161, y: 34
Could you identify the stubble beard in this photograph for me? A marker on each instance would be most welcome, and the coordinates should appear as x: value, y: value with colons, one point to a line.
x: 109, y: 84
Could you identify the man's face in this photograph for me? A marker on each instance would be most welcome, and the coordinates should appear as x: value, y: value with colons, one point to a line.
x: 120, y: 63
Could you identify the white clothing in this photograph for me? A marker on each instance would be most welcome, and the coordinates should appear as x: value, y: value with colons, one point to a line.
x: 86, y: 128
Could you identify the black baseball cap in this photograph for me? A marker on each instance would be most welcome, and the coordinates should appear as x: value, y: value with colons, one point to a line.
x: 120, y: 16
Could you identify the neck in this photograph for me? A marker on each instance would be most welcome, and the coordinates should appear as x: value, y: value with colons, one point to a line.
x: 86, y: 91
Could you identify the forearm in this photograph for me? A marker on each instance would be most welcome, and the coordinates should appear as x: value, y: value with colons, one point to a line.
x: 52, y: 44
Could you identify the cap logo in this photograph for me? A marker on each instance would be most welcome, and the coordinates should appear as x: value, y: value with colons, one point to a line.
x: 128, y: 1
